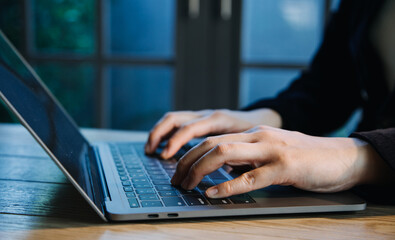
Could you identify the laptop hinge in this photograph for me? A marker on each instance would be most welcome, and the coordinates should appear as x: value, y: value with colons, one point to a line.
x: 97, y: 179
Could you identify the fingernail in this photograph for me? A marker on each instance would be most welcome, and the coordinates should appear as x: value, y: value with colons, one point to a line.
x: 212, y: 192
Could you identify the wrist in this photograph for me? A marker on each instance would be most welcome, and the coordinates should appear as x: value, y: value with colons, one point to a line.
x: 373, y: 169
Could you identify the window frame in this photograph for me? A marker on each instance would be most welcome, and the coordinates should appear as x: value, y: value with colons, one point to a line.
x: 101, y: 60
x: 223, y: 71
x: 214, y: 84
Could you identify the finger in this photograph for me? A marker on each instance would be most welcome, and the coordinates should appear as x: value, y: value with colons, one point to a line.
x: 164, y: 126
x: 209, y: 122
x: 185, y: 163
x: 233, y: 154
x: 195, y: 128
x: 267, y: 175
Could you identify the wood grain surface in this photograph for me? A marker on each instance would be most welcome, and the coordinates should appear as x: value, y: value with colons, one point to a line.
x: 38, y: 202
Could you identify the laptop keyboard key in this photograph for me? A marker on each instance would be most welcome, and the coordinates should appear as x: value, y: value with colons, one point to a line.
x: 168, y: 193
x: 142, y: 185
x: 188, y: 192
x: 140, y: 169
x: 129, y: 156
x: 173, y: 201
x: 130, y: 195
x: 132, y: 161
x: 119, y: 164
x: 168, y: 163
x: 126, y: 183
x: 222, y: 201
x: 145, y: 191
x: 149, y: 197
x: 140, y: 180
x: 119, y: 161
x: 219, y: 181
x: 133, y: 203
x: 150, y: 164
x: 217, y: 175
x: 124, y: 178
x: 203, y: 185
x: 134, y: 165
x: 156, y: 172
x: 137, y: 175
x: 169, y: 166
x: 195, y: 200
x: 164, y: 188
x: 159, y: 177
x: 131, y: 171
x: 170, y: 172
x: 151, y: 204
x: 242, y: 199
x: 128, y: 189
x: 152, y: 169
x: 161, y: 182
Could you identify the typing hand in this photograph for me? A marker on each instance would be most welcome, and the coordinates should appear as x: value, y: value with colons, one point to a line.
x: 180, y: 127
x: 281, y: 157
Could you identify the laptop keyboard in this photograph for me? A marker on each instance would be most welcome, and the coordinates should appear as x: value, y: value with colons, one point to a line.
x: 146, y: 181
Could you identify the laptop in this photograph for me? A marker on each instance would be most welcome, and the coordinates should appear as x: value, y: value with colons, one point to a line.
x: 119, y: 181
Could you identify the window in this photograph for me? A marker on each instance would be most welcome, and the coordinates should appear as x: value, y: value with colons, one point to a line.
x: 279, y: 38
x: 140, y: 95
x: 123, y: 63
x: 109, y: 62
x: 256, y: 83
x: 253, y: 52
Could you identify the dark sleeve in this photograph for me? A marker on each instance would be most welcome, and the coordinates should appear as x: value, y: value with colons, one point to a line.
x: 383, y: 141
x: 325, y: 95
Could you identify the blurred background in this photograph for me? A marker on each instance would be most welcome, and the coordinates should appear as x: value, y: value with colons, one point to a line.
x: 123, y: 63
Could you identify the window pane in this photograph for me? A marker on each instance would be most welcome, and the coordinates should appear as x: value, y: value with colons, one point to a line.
x: 281, y: 30
x: 263, y: 83
x: 65, y: 26
x: 11, y: 12
x: 73, y: 86
x: 140, y: 95
x: 142, y: 28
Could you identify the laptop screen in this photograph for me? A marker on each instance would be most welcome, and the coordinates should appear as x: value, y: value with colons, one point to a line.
x: 38, y: 110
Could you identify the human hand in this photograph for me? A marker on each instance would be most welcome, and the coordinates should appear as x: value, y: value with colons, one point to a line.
x: 281, y: 157
x: 181, y: 127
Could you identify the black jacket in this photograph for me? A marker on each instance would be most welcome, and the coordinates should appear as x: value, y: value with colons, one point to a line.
x: 345, y: 74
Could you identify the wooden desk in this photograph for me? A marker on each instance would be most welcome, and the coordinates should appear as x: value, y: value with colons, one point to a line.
x: 37, y: 202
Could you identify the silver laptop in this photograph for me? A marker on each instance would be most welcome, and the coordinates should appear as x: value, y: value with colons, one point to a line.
x: 121, y: 183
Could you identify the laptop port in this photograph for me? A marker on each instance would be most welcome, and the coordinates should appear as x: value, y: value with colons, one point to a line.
x: 153, y: 215
x: 172, y: 214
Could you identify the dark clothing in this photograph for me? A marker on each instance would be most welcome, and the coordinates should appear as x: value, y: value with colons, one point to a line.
x: 346, y: 73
